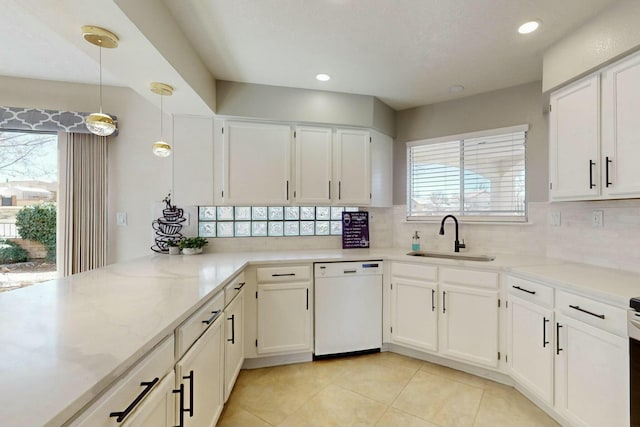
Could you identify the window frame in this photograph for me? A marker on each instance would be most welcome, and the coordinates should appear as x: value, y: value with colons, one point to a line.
x: 495, y: 219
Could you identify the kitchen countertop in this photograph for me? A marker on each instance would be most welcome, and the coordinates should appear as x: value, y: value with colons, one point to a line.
x: 64, y: 341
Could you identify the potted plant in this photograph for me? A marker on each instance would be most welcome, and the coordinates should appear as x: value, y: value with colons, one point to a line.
x: 174, y: 246
x: 192, y: 245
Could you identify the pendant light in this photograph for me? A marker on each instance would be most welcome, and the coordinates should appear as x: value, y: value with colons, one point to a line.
x: 99, y: 123
x: 161, y: 148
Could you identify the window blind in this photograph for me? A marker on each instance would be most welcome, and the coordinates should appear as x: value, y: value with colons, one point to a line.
x: 479, y: 176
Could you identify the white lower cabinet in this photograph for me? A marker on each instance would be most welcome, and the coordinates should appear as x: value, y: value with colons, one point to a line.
x: 469, y: 315
x: 234, y: 344
x: 200, y: 376
x: 469, y: 324
x: 414, y: 312
x: 284, y: 309
x: 592, y: 374
x: 530, y: 353
x: 284, y: 319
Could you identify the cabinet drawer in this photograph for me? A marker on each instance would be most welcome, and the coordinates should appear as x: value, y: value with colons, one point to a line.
x: 530, y: 291
x: 189, y: 331
x: 595, y: 313
x: 150, y: 370
x: 456, y: 276
x: 414, y: 271
x: 279, y: 274
x: 233, y: 288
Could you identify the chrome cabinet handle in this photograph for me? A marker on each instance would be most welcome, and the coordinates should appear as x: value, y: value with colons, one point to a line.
x: 544, y: 332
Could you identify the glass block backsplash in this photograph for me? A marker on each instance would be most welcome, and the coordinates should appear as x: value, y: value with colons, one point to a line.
x: 265, y: 221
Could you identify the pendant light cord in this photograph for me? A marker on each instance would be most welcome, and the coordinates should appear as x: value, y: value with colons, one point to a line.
x: 100, y: 61
x: 161, y: 121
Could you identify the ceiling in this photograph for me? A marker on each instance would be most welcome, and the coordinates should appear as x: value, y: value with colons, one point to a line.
x: 405, y: 52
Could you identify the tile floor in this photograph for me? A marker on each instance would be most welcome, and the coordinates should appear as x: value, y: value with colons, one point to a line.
x: 383, y: 389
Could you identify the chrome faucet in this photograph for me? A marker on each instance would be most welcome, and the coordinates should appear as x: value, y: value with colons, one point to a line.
x: 457, y: 244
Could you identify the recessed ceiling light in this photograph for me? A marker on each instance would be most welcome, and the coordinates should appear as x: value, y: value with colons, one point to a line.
x: 529, y: 27
x: 456, y: 89
x: 323, y: 77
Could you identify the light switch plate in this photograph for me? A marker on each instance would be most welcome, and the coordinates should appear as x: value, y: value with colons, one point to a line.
x: 554, y: 218
x: 597, y: 219
x: 121, y: 218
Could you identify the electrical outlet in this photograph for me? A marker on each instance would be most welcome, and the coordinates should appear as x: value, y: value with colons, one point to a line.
x: 597, y: 219
x: 554, y: 218
x: 121, y: 218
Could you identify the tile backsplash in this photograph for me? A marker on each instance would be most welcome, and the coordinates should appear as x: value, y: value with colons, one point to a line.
x: 614, y: 245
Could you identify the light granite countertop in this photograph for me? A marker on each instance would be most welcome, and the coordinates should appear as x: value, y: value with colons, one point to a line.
x: 63, y: 341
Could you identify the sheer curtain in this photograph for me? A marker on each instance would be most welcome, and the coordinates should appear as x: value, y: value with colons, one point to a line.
x: 82, y: 207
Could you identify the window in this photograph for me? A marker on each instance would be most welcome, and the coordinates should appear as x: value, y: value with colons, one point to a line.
x: 477, y: 176
x: 263, y: 221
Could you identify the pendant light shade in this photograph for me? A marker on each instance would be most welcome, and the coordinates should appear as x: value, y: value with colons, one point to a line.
x: 161, y: 148
x: 99, y: 123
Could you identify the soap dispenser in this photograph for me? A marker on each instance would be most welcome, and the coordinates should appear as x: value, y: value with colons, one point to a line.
x: 415, y: 242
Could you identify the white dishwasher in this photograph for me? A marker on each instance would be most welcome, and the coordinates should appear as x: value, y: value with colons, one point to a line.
x: 348, y: 307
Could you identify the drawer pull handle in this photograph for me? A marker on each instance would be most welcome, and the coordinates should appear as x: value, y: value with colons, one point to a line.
x: 148, y: 385
x: 524, y: 290
x: 349, y: 271
x: 282, y: 274
x: 239, y: 286
x: 232, y: 340
x: 577, y: 307
x: 213, y: 318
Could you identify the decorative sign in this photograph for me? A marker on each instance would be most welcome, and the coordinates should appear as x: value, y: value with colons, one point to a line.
x: 355, y: 230
x: 168, y: 227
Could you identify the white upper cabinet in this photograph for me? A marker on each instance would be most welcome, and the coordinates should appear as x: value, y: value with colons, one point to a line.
x: 621, y: 129
x: 381, y: 170
x: 313, y: 165
x: 256, y: 164
x: 192, y: 160
x: 352, y: 167
x: 574, y: 141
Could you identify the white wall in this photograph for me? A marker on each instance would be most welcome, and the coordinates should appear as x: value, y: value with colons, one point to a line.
x: 607, y: 37
x: 137, y: 179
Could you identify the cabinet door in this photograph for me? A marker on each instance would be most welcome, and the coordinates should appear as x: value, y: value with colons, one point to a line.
x: 192, y: 160
x: 284, y: 320
x: 592, y: 374
x: 621, y: 129
x: 574, y: 141
x: 158, y: 409
x: 257, y: 164
x: 313, y: 165
x: 201, y: 373
x: 469, y: 324
x: 530, y: 338
x: 414, y: 313
x: 352, y: 167
x: 234, y: 345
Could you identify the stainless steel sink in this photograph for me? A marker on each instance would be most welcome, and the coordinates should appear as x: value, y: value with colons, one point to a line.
x: 458, y: 256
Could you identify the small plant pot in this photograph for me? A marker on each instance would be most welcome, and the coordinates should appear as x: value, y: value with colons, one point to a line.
x: 191, y: 251
x: 174, y: 250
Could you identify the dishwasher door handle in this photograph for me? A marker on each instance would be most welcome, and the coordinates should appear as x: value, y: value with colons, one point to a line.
x: 349, y: 271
